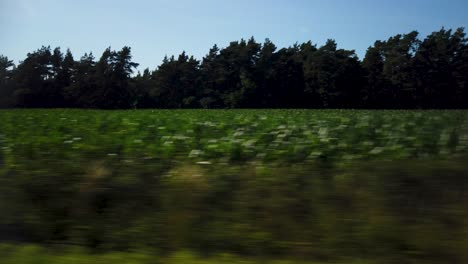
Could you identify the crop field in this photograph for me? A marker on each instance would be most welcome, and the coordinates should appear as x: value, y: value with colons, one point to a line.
x: 319, y: 185
x: 232, y: 135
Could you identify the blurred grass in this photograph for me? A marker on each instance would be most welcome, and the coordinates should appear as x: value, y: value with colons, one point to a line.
x: 411, y: 211
x: 33, y: 254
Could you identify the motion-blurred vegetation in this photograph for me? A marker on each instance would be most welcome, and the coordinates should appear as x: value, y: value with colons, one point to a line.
x: 324, y: 186
x: 30, y: 254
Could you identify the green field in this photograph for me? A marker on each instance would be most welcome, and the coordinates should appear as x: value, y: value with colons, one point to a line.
x: 233, y: 135
x: 318, y: 185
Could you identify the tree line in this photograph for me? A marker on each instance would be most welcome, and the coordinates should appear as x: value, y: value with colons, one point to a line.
x: 403, y: 72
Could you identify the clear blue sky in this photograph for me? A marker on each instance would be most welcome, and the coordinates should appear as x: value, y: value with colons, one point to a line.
x: 155, y: 28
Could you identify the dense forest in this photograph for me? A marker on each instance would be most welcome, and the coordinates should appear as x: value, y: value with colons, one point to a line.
x: 402, y: 72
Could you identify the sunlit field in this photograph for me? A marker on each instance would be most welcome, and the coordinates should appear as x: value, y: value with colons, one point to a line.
x: 227, y: 136
x: 233, y: 186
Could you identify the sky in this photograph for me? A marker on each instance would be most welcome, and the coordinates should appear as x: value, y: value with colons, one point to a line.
x: 155, y: 28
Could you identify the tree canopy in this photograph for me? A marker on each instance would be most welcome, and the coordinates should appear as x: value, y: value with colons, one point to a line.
x: 403, y: 71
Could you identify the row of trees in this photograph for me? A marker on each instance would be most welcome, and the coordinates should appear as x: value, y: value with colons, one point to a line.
x: 401, y: 72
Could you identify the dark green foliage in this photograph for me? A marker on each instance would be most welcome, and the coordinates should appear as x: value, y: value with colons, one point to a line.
x: 334, y: 77
x: 391, y: 76
x: 113, y: 72
x: 7, y: 85
x: 34, y: 77
x: 441, y: 69
x: 402, y: 72
x: 176, y: 83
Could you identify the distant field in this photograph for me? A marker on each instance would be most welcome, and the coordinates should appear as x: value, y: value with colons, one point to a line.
x: 232, y: 135
x: 319, y: 185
